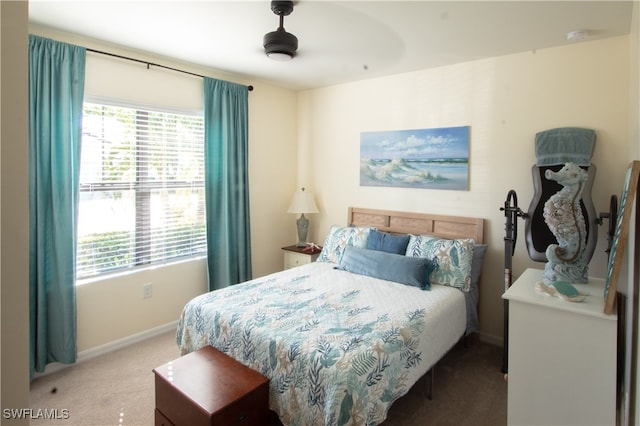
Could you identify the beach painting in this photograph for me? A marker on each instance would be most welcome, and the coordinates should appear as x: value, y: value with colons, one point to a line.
x: 423, y: 158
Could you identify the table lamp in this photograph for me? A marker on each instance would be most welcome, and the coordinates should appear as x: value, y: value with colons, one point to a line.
x: 302, y: 203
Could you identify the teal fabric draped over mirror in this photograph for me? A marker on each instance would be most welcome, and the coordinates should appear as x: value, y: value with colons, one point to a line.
x: 56, y: 90
x: 226, y: 183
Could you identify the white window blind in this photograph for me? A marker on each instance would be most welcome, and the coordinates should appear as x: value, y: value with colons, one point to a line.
x: 141, y: 188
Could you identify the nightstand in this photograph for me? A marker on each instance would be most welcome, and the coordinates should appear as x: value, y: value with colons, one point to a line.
x: 294, y: 256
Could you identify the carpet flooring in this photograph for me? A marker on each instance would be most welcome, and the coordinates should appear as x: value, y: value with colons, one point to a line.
x: 118, y: 389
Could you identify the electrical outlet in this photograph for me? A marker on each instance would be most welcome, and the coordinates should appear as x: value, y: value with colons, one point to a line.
x: 147, y: 291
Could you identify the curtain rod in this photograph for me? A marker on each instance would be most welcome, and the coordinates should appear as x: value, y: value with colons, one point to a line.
x: 250, y: 88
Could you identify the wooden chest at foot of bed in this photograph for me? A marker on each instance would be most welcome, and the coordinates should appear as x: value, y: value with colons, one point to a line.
x: 207, y: 387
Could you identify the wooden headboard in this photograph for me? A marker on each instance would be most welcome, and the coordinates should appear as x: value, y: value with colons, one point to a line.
x: 442, y: 226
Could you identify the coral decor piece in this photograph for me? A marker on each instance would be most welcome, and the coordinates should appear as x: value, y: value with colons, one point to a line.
x: 563, y: 215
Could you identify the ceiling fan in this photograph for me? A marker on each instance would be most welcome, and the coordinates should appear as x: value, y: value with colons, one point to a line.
x: 279, y: 44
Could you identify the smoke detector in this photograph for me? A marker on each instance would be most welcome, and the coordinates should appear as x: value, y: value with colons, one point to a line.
x: 577, y: 35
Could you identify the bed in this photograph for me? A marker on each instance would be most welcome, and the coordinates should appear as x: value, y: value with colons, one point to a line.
x: 342, y: 338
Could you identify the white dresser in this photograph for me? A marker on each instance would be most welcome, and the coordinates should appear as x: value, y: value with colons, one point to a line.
x: 562, y: 356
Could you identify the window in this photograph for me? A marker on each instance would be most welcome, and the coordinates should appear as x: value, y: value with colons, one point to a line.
x: 141, y: 188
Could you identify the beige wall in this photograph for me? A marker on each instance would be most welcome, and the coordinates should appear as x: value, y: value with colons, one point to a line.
x: 113, y: 308
x: 14, y: 276
x: 505, y: 100
x: 312, y: 139
x: 634, y: 83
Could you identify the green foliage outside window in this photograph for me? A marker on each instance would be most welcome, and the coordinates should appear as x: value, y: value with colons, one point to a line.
x: 114, y: 249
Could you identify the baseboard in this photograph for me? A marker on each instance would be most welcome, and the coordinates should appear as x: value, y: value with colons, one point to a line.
x: 110, y: 347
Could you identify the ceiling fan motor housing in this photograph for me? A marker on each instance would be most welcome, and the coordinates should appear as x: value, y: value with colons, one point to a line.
x: 282, y: 8
x: 280, y: 41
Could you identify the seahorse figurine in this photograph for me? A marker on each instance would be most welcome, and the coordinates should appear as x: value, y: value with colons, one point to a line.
x: 563, y: 215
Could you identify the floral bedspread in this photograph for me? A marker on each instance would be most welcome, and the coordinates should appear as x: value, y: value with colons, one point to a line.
x: 338, y: 348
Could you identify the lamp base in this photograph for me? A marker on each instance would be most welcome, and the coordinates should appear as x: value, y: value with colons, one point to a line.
x: 303, y: 227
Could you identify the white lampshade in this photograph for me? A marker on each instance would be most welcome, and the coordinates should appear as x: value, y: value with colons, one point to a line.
x: 302, y: 202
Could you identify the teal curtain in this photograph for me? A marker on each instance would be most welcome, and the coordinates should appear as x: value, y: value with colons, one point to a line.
x: 226, y: 182
x: 56, y: 89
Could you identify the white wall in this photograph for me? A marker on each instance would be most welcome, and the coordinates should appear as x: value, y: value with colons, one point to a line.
x: 505, y: 100
x: 113, y: 308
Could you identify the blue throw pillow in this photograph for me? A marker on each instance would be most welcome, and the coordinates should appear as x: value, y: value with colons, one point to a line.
x: 413, y: 271
x: 383, y: 241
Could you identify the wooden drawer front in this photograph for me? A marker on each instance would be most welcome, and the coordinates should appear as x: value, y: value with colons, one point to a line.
x: 179, y: 408
x: 175, y: 408
x: 292, y: 259
x: 252, y: 409
x: 161, y: 420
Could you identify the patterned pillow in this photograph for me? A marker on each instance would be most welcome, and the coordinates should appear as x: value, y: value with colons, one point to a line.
x: 453, y: 259
x: 339, y: 237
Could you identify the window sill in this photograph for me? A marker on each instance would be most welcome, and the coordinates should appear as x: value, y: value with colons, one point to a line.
x: 136, y: 270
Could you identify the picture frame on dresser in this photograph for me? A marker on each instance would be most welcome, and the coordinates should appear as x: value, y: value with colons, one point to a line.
x: 620, y: 237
